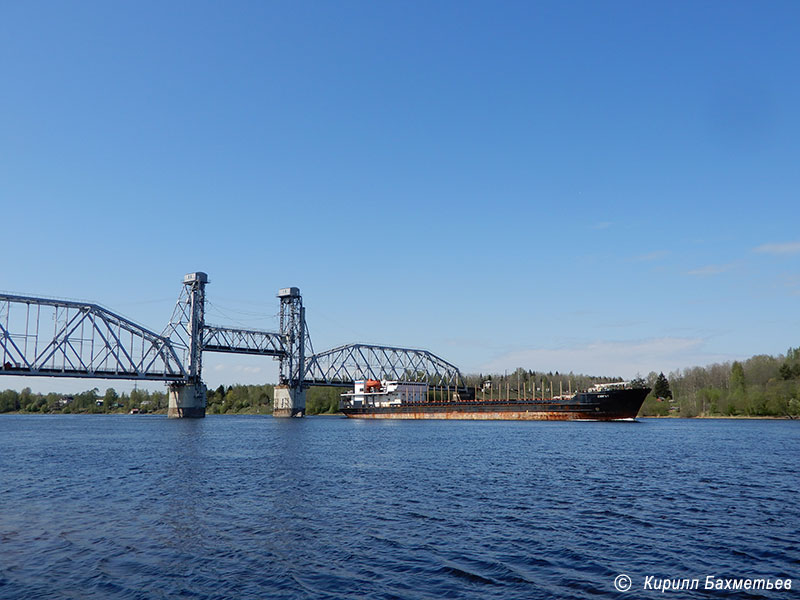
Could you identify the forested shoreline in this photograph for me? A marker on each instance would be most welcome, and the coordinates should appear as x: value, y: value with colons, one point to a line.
x: 234, y: 399
x: 761, y: 386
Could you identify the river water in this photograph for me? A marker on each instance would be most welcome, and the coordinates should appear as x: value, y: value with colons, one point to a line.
x: 254, y: 507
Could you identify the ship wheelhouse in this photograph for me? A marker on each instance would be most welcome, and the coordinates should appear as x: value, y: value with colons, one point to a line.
x: 384, y: 393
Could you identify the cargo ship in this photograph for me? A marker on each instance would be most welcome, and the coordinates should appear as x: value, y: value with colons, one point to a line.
x: 374, y: 399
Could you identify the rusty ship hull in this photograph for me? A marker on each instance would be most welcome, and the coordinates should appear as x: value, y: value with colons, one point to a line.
x: 611, y: 405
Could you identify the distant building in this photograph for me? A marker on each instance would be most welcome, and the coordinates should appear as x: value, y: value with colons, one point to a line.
x: 65, y: 401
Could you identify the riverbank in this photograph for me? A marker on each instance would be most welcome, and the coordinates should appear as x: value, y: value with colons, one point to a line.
x: 727, y: 417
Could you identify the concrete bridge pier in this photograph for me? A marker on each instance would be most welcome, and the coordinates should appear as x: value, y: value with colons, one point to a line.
x: 187, y: 400
x: 289, y: 402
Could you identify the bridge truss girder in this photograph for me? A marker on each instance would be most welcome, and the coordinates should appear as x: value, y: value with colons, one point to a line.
x: 345, y: 364
x: 61, y: 338
x: 243, y: 341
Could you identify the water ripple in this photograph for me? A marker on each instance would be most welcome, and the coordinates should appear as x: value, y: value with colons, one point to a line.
x: 254, y: 507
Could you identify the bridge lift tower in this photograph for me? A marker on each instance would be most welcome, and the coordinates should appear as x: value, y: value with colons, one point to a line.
x: 290, y: 393
x: 188, y: 331
x: 188, y: 398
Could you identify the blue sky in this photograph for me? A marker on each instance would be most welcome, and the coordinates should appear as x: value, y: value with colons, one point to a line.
x: 607, y: 188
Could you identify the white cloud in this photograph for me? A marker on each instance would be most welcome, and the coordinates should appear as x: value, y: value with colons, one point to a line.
x: 784, y: 248
x: 620, y: 358
x: 602, y: 225
x: 790, y: 283
x: 710, y: 270
x: 651, y: 256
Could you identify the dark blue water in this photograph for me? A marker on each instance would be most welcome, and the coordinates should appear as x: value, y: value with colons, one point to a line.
x: 255, y: 507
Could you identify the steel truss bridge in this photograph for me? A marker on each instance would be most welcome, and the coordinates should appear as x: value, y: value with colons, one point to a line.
x: 61, y: 338
x: 345, y: 364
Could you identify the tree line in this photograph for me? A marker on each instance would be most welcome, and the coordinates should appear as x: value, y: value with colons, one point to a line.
x: 258, y: 399
x: 90, y: 401
x: 759, y: 386
x: 234, y: 399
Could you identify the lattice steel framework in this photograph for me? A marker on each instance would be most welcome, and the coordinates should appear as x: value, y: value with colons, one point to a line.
x: 189, y: 333
x: 242, y: 341
x: 297, y: 342
x: 60, y: 338
x: 345, y: 364
x: 185, y: 328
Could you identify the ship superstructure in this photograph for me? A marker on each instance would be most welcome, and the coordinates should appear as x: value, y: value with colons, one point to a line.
x: 382, y: 394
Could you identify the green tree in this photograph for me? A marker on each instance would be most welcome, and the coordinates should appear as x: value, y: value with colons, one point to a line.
x: 26, y: 398
x: 737, y: 377
x: 786, y: 371
x: 654, y: 407
x: 110, y: 399
x: 9, y: 401
x: 661, y: 387
x: 794, y: 407
x: 322, y: 400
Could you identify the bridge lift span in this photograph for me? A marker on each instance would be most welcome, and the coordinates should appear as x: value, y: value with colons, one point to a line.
x: 59, y: 338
